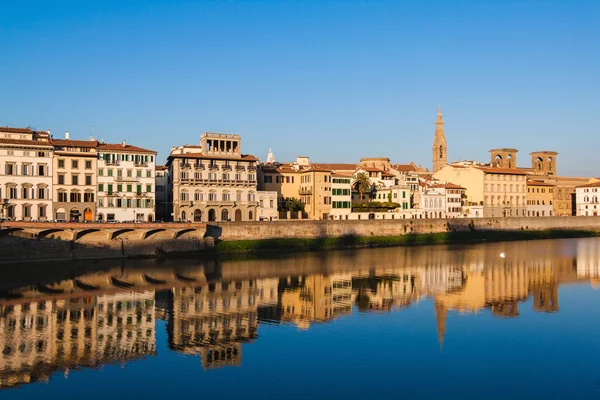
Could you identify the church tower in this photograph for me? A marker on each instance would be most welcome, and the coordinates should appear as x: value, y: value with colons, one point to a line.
x: 440, y: 148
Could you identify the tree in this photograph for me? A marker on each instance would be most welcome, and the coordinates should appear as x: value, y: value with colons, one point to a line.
x: 293, y: 204
x: 363, y: 183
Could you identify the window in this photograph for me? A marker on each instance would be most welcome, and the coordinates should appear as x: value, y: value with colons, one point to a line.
x: 25, y: 193
x: 110, y: 172
x: 212, y: 196
x: 271, y: 203
x: 268, y: 179
x: 88, y: 197
x: 88, y: 179
x: 129, y: 188
x: 61, y: 163
x: 25, y: 169
x: 42, y: 211
x: 100, y: 172
x: 41, y: 170
x: 75, y: 179
x: 129, y: 173
x: 41, y: 193
x: 88, y: 165
x: 41, y: 154
x: 139, y: 189
x: 61, y: 179
x: 148, y: 174
x: 26, y: 210
x: 139, y: 173
x: 252, y: 177
x: 119, y: 188
x: 75, y: 197
x: 62, y: 196
x: 10, y: 169
x: 74, y: 164
x: 225, y: 196
x: 148, y: 188
x: 101, y: 187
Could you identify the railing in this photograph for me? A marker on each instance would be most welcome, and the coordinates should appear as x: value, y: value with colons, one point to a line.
x: 305, y: 191
x: 127, y: 179
x: 213, y: 167
x: 199, y: 166
x: 185, y: 165
x: 240, y: 168
x: 226, y: 167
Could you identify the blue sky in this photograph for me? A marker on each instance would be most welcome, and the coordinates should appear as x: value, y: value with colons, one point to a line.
x: 334, y: 80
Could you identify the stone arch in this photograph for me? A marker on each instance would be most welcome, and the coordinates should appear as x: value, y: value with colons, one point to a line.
x: 250, y: 216
x: 183, y: 215
x: 197, y: 215
x: 84, y: 232
x: 87, y: 214
x: 238, y: 215
x: 212, y: 215
x: 60, y: 214
x: 150, y: 218
x: 224, y: 214
x: 509, y: 160
x: 74, y: 214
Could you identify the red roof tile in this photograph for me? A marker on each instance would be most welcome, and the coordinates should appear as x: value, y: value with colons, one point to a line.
x: 502, y: 171
x: 593, y: 184
x: 75, y: 143
x: 120, y: 147
x: 335, y: 167
x: 22, y: 142
x: 7, y: 129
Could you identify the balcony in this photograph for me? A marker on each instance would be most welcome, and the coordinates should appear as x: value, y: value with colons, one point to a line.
x: 226, y: 167
x: 140, y: 164
x: 111, y: 162
x: 303, y: 191
x: 185, y: 166
x: 240, y: 168
x: 252, y: 168
x: 199, y: 166
x: 213, y: 167
x: 127, y: 179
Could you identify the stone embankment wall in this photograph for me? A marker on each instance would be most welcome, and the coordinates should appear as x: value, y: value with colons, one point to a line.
x: 315, y: 229
x: 138, y: 241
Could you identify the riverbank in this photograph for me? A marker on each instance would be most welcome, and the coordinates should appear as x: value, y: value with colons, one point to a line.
x: 233, y: 247
x: 37, y: 242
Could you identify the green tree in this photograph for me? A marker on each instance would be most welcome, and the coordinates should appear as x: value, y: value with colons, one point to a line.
x: 363, y: 183
x: 293, y: 204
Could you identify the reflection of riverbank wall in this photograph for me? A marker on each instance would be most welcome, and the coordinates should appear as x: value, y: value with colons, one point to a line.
x: 70, y: 242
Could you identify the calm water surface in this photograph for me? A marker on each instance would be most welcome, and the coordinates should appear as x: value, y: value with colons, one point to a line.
x: 506, y: 320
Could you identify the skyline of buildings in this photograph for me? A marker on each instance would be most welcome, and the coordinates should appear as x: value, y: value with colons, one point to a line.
x: 46, y: 178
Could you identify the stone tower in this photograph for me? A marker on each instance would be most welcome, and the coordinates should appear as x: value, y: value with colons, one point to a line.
x: 504, y: 158
x: 544, y: 162
x: 440, y: 147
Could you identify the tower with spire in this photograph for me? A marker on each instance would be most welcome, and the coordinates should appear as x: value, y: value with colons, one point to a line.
x: 440, y: 147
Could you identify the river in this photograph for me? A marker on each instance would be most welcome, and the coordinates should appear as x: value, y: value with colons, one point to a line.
x: 494, y: 321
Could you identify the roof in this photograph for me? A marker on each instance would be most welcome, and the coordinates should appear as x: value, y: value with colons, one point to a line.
x: 370, y: 169
x: 508, y: 149
x: 161, y: 167
x: 447, y: 186
x: 589, y: 185
x: 22, y: 142
x: 404, y: 167
x: 244, y: 157
x: 75, y: 143
x: 341, y: 174
x: 503, y: 171
x: 335, y: 167
x: 539, y: 183
x: 15, y: 130
x: 121, y: 147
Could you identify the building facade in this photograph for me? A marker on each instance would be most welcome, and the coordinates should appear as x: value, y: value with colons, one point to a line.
x: 126, y: 183
x: 25, y: 174
x: 540, y: 196
x: 74, y: 179
x: 341, y: 195
x: 587, y: 199
x: 267, y: 206
x: 213, y: 181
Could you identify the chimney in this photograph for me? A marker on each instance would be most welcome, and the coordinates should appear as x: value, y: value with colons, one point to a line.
x: 67, y: 135
x: 123, y: 143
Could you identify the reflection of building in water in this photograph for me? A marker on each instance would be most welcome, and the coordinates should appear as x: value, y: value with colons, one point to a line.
x: 315, y: 298
x: 543, y: 285
x: 385, y: 290
x: 214, y: 319
x: 40, y: 337
x: 588, y: 259
x: 505, y: 286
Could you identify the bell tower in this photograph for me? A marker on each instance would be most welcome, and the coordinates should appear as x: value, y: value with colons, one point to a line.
x: 440, y: 147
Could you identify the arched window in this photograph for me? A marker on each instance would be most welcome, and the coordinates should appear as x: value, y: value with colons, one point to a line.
x: 250, y: 216
x: 225, y: 215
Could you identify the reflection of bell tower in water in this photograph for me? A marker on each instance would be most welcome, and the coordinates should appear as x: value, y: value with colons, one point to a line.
x: 440, y: 147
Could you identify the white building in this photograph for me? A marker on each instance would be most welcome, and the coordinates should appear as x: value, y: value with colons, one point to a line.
x: 126, y: 184
x: 267, y: 206
x: 341, y: 195
x: 25, y: 174
x: 454, y: 196
x: 587, y: 199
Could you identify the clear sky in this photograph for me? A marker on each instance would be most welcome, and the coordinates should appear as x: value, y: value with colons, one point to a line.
x: 333, y: 80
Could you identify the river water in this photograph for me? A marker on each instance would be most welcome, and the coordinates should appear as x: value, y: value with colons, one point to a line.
x: 494, y: 321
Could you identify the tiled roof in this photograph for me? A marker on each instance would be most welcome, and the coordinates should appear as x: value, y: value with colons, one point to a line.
x: 244, y: 157
x: 404, y: 167
x: 502, y: 171
x: 335, y: 167
x: 589, y: 185
x: 7, y: 129
x: 539, y: 183
x: 75, y: 143
x: 25, y: 142
x: 341, y: 175
x: 121, y: 147
x: 161, y: 167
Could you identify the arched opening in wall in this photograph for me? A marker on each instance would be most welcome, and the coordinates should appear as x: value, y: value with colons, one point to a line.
x: 100, y: 217
x: 537, y: 214
x: 550, y: 162
x: 509, y: 161
x: 504, y: 213
x: 250, y: 216
x: 183, y: 216
x: 74, y: 215
x: 539, y: 163
x: 150, y: 218
x: 238, y: 215
x: 212, y: 215
x: 197, y: 215
x: 225, y: 215
x: 371, y: 215
x: 498, y: 160
x: 87, y: 214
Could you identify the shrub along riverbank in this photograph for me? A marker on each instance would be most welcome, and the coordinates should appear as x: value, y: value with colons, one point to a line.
x: 347, y: 242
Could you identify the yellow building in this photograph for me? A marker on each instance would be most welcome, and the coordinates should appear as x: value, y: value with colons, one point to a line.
x: 540, y: 198
x: 299, y: 180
